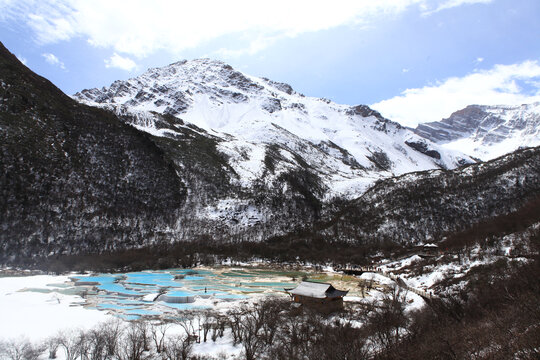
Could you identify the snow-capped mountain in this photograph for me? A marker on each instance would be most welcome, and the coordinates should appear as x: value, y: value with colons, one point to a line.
x: 486, y: 132
x: 78, y: 180
x: 256, y: 119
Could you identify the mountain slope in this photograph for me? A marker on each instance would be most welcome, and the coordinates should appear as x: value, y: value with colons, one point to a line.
x: 486, y: 132
x: 427, y: 206
x: 75, y: 178
x: 346, y: 147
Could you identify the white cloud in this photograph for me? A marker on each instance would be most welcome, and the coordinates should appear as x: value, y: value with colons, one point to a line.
x: 141, y: 27
x: 503, y: 84
x: 120, y: 62
x: 479, y: 60
x: 255, y: 46
x: 53, y: 60
x: 448, y: 4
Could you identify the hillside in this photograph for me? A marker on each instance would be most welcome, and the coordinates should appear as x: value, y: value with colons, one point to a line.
x: 426, y: 206
x: 74, y: 178
x: 146, y: 182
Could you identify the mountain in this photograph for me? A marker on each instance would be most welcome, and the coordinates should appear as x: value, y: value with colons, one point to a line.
x: 346, y: 147
x: 486, y: 132
x: 197, y: 158
x: 260, y: 159
x: 74, y: 178
x: 485, y: 200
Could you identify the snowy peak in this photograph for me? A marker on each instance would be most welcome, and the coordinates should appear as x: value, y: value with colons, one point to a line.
x: 486, y: 132
x: 174, y: 88
x: 250, y: 114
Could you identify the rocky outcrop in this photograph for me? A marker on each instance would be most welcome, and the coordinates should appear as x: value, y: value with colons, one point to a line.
x: 486, y: 132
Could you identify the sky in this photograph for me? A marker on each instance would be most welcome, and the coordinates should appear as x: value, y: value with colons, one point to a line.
x: 413, y: 60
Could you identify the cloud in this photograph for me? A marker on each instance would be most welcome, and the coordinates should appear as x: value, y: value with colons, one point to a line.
x: 503, y: 84
x: 120, y: 62
x: 140, y: 27
x: 53, y: 60
x: 448, y: 4
x: 256, y: 45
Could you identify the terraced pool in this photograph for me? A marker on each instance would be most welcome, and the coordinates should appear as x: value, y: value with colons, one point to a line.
x: 165, y: 293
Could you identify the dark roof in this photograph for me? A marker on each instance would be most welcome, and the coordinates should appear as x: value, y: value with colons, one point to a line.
x: 316, y: 290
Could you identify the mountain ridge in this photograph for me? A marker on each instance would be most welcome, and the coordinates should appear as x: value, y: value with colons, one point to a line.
x: 224, y: 102
x: 486, y: 132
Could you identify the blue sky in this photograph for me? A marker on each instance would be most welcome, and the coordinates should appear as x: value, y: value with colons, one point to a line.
x: 413, y: 60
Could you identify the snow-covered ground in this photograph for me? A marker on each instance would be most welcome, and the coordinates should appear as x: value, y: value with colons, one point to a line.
x: 40, y: 306
x: 36, y: 315
x: 36, y: 307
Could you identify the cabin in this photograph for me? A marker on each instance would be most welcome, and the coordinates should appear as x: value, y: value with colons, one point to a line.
x: 430, y: 249
x: 426, y: 250
x: 322, y: 296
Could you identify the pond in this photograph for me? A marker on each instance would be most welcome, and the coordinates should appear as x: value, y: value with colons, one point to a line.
x: 164, y: 293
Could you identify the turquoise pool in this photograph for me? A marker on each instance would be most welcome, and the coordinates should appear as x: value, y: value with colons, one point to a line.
x: 165, y: 293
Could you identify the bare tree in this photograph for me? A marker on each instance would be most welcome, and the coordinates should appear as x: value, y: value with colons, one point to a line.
x: 178, y: 348
x: 82, y: 345
x: 112, y: 332
x: 218, y: 327
x: 189, y: 322
x: 52, y: 346
x: 21, y: 349
x: 97, y: 345
x: 234, y: 321
x: 69, y: 342
x: 132, y: 345
x: 158, y: 332
x: 389, y: 320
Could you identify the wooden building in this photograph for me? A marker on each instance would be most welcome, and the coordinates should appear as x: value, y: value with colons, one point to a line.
x: 319, y: 295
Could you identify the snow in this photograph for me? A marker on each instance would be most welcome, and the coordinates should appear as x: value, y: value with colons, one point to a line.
x: 414, y: 301
x: 38, y: 315
x: 220, y: 346
x: 398, y: 264
x: 150, y: 297
x: 154, y: 131
x: 378, y: 278
x: 235, y: 211
x: 499, y: 131
x: 492, y: 150
x: 212, y: 96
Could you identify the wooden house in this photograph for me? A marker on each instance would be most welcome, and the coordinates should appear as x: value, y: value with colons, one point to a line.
x: 431, y: 249
x: 319, y: 295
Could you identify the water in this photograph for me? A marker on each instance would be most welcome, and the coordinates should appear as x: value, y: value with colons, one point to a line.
x: 130, y: 295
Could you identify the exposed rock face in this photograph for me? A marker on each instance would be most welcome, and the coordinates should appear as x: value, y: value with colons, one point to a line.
x: 249, y: 114
x: 422, y: 147
x: 486, y: 131
x: 366, y: 111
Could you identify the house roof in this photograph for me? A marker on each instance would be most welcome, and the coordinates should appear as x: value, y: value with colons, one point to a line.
x: 316, y: 290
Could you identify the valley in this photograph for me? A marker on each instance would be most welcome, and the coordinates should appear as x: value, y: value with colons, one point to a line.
x: 187, y: 199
